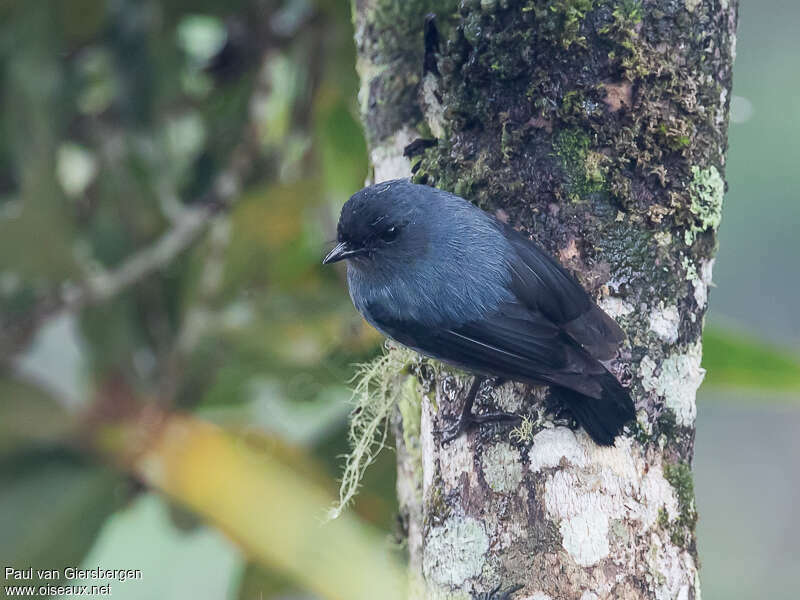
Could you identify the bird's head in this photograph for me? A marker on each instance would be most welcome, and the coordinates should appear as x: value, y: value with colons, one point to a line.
x: 382, y: 225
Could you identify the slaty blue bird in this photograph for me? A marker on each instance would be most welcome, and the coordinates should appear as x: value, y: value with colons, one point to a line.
x: 441, y: 276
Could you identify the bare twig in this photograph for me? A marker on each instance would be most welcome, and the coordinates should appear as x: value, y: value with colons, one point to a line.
x: 103, y: 286
x: 183, y: 232
x: 186, y: 226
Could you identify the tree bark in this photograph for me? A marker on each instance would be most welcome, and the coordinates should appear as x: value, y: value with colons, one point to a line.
x: 598, y: 127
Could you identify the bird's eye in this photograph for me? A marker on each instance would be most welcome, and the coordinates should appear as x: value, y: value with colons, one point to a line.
x: 389, y: 235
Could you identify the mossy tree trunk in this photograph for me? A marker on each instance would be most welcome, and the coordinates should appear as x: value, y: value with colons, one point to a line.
x: 599, y: 128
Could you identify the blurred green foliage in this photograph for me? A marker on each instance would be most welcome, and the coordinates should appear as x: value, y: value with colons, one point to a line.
x: 736, y: 360
x: 51, y: 509
x: 119, y: 118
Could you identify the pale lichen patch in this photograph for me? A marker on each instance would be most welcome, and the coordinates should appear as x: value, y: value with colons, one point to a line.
x: 702, y: 282
x: 408, y: 404
x: 601, y: 486
x: 388, y: 156
x: 552, y: 446
x: 664, y: 322
x: 502, y: 467
x: 663, y: 238
x: 456, y: 459
x: 509, y: 397
x: 615, y: 307
x: 691, y: 5
x: 677, y: 381
x: 367, y: 71
x: 455, y: 551
x: 585, y: 537
x: 676, y: 567
x: 434, y: 111
x: 706, y: 190
x: 692, y: 276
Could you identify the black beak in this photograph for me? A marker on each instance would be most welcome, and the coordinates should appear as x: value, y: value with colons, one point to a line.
x: 341, y: 252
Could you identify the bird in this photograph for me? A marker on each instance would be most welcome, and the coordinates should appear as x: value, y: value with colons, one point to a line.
x: 439, y: 275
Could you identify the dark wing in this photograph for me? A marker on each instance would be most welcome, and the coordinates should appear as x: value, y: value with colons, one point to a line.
x: 543, y: 285
x: 513, y: 342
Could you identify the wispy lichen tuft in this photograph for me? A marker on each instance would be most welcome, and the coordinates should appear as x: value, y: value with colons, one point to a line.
x: 377, y: 388
x: 523, y: 433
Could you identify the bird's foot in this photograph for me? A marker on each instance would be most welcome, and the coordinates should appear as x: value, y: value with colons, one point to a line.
x: 498, y: 594
x: 564, y: 418
x: 465, y: 421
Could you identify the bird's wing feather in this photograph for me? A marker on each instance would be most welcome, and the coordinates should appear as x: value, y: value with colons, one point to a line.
x: 598, y: 333
x: 512, y: 342
x: 543, y: 285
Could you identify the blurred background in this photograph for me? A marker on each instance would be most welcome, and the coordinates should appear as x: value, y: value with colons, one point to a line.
x: 170, y: 174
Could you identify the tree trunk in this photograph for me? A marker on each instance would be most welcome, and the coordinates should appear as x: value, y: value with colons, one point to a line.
x: 598, y: 127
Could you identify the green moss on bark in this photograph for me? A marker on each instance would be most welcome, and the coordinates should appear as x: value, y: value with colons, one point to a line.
x: 585, y: 169
x: 679, y: 476
x: 656, y: 140
x: 561, y: 21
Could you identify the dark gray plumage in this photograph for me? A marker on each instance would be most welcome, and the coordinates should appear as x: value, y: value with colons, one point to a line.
x: 441, y: 276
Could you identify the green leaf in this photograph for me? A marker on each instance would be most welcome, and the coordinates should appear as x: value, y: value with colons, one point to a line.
x: 201, y: 564
x: 51, y: 508
x: 737, y: 360
x: 29, y: 417
x: 260, y: 582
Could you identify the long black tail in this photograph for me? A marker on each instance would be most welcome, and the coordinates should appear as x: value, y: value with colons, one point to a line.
x: 603, y: 418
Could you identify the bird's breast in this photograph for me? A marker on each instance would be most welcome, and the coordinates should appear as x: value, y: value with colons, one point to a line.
x: 428, y: 295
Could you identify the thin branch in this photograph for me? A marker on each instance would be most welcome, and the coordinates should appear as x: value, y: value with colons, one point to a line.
x: 103, y: 286
x: 185, y: 230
